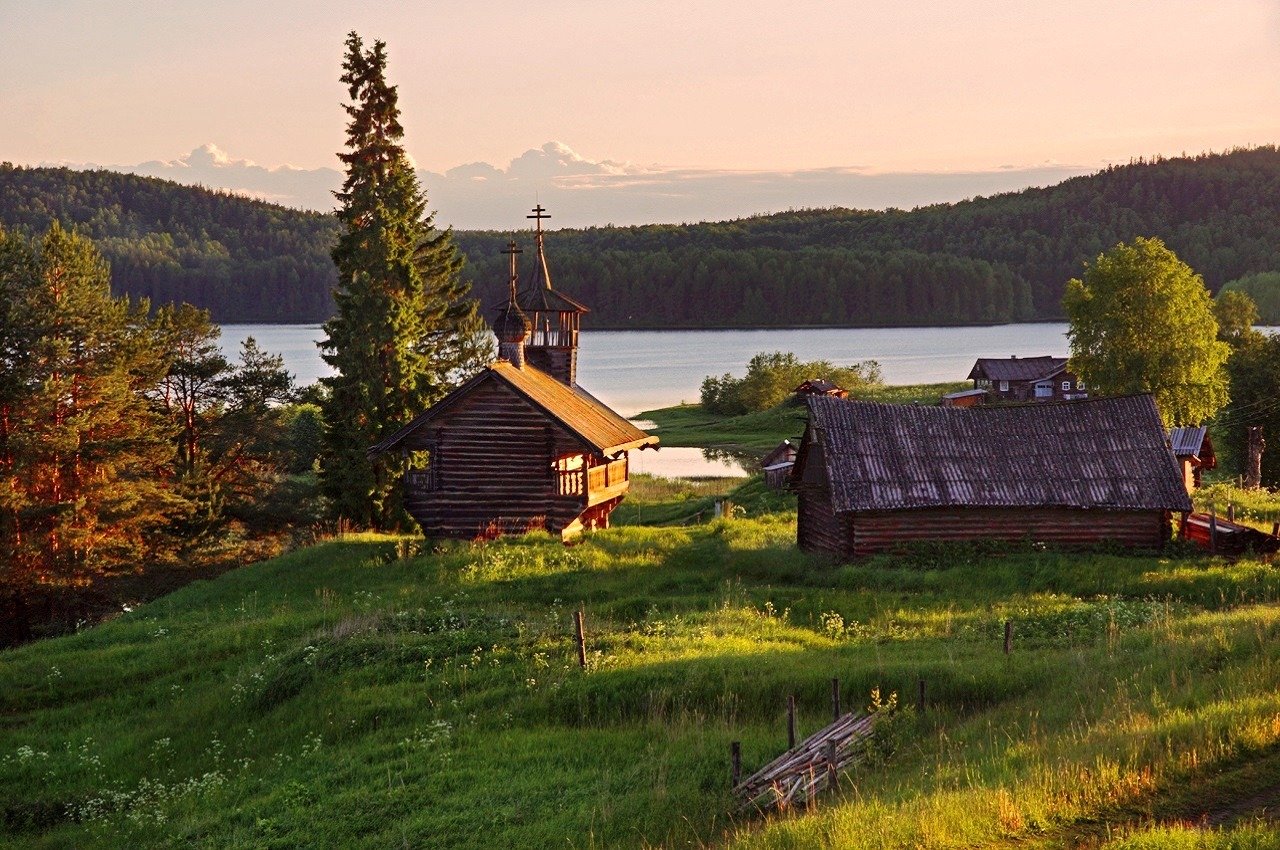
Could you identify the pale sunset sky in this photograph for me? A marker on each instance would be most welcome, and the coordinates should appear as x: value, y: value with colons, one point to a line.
x: 631, y: 112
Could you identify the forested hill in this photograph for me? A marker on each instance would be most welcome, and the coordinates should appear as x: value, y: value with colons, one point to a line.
x: 245, y: 260
x: 1003, y: 258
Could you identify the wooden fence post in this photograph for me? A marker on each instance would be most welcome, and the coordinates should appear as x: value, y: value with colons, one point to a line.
x: 1275, y: 529
x: 581, y: 636
x: 1231, y: 511
x: 791, y: 722
x: 920, y: 699
x: 1213, y: 531
x: 735, y: 760
x: 831, y: 761
x: 1008, y: 636
x: 835, y: 698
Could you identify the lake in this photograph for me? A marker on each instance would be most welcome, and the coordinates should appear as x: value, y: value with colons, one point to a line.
x: 634, y: 371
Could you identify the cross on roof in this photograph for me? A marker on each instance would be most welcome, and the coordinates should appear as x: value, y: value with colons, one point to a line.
x: 539, y: 213
x: 513, y: 249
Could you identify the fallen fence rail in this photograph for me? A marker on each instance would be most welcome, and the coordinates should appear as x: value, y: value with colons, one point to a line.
x: 801, y: 772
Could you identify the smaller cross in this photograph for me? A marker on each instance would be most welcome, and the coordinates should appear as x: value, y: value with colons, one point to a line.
x: 513, y: 249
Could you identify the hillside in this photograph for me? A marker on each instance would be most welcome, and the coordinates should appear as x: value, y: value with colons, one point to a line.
x: 340, y: 697
x: 987, y: 260
x: 244, y: 260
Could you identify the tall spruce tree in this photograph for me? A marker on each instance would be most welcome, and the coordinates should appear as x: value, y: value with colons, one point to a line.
x: 405, y: 329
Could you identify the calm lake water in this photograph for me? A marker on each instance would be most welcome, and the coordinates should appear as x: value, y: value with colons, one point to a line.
x: 634, y: 371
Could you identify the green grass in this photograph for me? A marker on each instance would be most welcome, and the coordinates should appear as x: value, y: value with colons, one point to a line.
x: 757, y: 433
x: 1259, y: 508
x: 337, y: 697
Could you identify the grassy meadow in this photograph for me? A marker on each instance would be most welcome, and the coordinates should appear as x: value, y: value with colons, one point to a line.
x: 344, y: 695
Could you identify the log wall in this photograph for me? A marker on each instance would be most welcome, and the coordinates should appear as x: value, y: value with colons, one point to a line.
x: 818, y: 528
x: 491, y: 458
x: 869, y: 532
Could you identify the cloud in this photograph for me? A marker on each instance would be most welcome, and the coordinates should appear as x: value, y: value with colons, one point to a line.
x: 582, y: 192
x: 210, y: 166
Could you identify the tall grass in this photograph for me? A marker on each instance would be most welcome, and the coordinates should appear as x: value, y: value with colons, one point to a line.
x: 342, y: 696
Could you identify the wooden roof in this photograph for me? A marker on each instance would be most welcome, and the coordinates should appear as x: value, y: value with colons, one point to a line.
x: 582, y: 414
x: 1017, y: 368
x: 818, y: 385
x: 1103, y: 453
x: 1188, y: 440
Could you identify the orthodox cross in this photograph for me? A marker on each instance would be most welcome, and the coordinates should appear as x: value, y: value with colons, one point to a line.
x: 539, y: 213
x: 513, y: 249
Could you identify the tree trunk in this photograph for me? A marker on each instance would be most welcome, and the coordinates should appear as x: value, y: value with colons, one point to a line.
x: 1253, y: 462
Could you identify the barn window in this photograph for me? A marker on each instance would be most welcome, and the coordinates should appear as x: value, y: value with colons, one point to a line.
x: 422, y: 471
x: 1079, y: 385
x: 1004, y: 386
x: 1066, y: 385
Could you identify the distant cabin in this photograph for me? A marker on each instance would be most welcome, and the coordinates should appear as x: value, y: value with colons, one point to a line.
x: 871, y: 477
x: 777, y: 464
x: 1193, y: 448
x: 820, y: 386
x: 1027, y: 379
x: 520, y: 446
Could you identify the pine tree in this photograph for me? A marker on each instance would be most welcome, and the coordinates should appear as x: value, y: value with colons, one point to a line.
x: 405, y: 330
x: 83, y: 454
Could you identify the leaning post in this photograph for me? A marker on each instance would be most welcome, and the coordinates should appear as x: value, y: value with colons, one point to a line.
x: 791, y: 722
x: 581, y: 637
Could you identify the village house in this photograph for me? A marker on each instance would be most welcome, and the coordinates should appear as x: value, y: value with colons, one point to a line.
x: 820, y: 386
x: 1027, y: 379
x: 520, y: 446
x: 1193, y: 448
x: 871, y: 477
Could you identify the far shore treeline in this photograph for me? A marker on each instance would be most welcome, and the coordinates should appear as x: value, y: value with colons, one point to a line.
x: 988, y: 260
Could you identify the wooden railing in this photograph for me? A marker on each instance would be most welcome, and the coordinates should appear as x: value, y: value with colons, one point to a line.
x: 570, y: 481
x: 605, y: 476
x: 576, y: 482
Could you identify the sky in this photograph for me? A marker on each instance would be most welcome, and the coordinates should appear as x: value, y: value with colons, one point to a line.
x: 657, y: 111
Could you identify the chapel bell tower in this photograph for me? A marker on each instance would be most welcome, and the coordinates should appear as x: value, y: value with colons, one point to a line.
x: 553, y: 342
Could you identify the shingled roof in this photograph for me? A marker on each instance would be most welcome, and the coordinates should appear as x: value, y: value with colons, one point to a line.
x: 1016, y: 368
x: 581, y: 413
x: 1104, y: 453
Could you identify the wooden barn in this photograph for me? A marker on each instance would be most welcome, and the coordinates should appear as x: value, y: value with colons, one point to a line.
x: 777, y: 464
x: 1194, y: 450
x: 520, y: 446
x: 1027, y: 379
x: 871, y: 477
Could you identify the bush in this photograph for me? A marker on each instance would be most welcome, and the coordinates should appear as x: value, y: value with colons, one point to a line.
x: 771, y: 378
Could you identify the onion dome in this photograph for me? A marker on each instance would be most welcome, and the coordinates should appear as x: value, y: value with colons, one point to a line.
x: 512, y: 325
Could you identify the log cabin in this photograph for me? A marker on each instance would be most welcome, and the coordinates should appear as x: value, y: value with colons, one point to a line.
x: 872, y: 477
x: 520, y: 446
x: 1027, y: 379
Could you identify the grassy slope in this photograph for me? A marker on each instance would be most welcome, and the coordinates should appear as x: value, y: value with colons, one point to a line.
x: 336, y: 697
x: 689, y: 425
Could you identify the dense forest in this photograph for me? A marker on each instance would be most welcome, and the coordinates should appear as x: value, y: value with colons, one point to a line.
x: 243, y: 260
x: 994, y: 259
